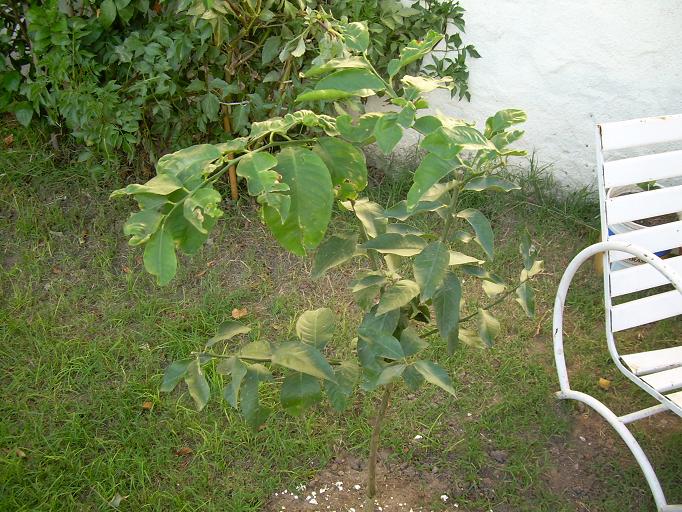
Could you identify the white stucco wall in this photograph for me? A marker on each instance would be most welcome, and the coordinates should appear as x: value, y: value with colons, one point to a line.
x: 570, y: 64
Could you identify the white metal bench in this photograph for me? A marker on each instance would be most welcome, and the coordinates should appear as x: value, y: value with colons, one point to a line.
x: 658, y: 372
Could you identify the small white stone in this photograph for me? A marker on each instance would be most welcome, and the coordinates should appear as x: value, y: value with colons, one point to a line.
x: 313, y: 493
x: 583, y: 439
x: 418, y: 437
x: 356, y: 487
x: 469, y: 414
x: 295, y: 497
x: 313, y: 501
x: 351, y: 509
x: 444, y: 497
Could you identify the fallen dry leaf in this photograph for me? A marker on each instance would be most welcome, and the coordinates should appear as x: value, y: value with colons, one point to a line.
x: 125, y: 269
x: 605, y: 384
x: 147, y: 405
x: 20, y: 453
x: 116, y: 500
x: 9, y: 140
x: 238, y: 313
x: 185, y: 450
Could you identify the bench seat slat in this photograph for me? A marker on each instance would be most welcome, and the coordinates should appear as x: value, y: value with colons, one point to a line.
x: 646, y: 310
x: 639, y: 169
x: 667, y: 380
x: 655, y: 238
x: 640, y: 132
x: 643, y: 363
x: 643, y: 205
x: 641, y: 277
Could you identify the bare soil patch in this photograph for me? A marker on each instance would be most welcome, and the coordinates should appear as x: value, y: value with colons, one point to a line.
x: 341, y: 487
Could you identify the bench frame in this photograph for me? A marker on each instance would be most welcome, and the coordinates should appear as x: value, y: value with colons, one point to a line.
x: 619, y: 423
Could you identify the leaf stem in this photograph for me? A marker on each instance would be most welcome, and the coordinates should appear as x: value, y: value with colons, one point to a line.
x: 451, y: 214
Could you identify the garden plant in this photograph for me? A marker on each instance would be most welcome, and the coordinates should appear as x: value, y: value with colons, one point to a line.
x: 141, y: 77
x: 297, y: 167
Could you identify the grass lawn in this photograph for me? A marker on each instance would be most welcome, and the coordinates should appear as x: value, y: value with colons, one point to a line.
x: 85, y: 335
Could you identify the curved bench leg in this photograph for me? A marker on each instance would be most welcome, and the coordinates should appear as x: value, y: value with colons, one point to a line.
x: 630, y: 441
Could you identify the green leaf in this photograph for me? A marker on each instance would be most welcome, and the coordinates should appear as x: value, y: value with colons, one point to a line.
x: 537, y: 267
x: 336, y: 64
x: 412, y: 378
x: 141, y: 225
x: 360, y: 130
x: 351, y: 80
x: 238, y: 371
x: 426, y: 84
x: 403, y: 229
x: 332, y: 252
x: 107, y: 12
x: 311, y: 201
x: 345, y: 162
x: 414, y: 51
x: 366, y: 286
x: 255, y: 167
x: 526, y: 298
x: 493, y: 289
x: 338, y: 391
x: 471, y: 338
x: 197, y: 384
x: 199, y: 205
x: 491, y: 183
x: 316, y: 327
x: 210, y: 106
x: 303, y: 358
x: 394, y: 243
x: 372, y: 322
x: 299, y: 51
x: 436, y: 375
x: 429, y: 268
x: 173, y: 374
x: 254, y: 413
x: 228, y: 329
x: 396, y: 296
x: 411, y: 342
x: 488, y: 326
x: 328, y: 95
x: 447, y: 142
x: 503, y: 120
x: 388, y: 133
x: 458, y: 258
x: 400, y: 210
x: 427, y: 124
x: 446, y: 303
x: 159, y: 256
x: 160, y: 185
x: 271, y: 49
x: 356, y: 36
x: 371, y: 215
x: 23, y: 111
x: 188, y: 164
x: 428, y: 173
x: 482, y: 228
x: 299, y: 391
x: 281, y: 203
x: 259, y: 349
x: 390, y: 374
x: 383, y: 345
